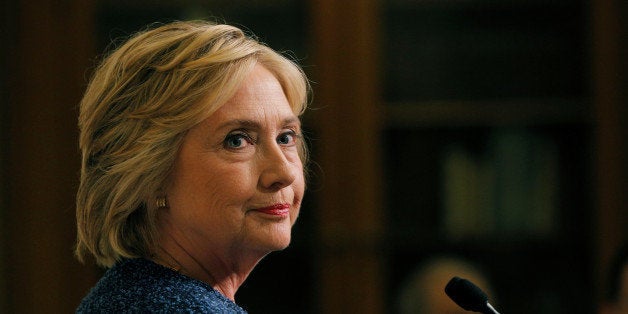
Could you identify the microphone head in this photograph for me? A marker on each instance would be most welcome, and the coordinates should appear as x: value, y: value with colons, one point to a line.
x: 467, y: 295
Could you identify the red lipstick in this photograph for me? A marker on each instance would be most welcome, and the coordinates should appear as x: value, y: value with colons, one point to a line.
x: 276, y: 210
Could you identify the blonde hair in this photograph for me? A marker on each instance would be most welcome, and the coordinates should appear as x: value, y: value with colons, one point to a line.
x: 138, y: 106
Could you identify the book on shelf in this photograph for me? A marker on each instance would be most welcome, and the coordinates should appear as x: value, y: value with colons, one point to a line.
x: 509, y: 189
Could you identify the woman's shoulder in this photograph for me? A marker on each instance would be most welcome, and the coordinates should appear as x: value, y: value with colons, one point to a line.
x: 142, y: 285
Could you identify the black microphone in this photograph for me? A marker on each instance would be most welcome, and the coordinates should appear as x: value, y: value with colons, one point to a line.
x: 468, y: 296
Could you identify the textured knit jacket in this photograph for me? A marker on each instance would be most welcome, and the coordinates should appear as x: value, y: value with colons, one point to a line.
x: 142, y: 286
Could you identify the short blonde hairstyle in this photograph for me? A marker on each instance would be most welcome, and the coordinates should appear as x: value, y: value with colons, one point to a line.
x: 138, y: 105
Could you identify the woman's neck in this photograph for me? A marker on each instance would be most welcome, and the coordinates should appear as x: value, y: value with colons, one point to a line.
x: 223, y: 269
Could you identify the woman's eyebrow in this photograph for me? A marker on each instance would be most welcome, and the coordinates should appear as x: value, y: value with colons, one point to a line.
x: 239, y: 123
x: 292, y: 120
x: 254, y: 125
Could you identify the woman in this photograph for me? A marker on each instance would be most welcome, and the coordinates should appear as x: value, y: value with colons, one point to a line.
x: 192, y: 167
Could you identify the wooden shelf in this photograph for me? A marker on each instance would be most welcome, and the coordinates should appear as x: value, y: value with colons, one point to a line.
x: 518, y: 112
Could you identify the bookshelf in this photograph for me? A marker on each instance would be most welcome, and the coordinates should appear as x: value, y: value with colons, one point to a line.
x: 488, y: 145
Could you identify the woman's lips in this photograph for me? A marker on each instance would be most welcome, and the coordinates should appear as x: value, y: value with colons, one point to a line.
x: 276, y: 210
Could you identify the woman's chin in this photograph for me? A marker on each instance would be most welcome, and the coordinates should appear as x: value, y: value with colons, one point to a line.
x: 274, y: 239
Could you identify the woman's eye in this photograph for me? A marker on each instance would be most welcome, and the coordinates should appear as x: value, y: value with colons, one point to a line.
x: 287, y: 138
x: 237, y: 140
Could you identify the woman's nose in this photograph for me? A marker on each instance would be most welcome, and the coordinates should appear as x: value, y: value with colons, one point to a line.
x: 277, y: 170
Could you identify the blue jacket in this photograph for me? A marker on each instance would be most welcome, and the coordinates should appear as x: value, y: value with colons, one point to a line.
x: 140, y: 285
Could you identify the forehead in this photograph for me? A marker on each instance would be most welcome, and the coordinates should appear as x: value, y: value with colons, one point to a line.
x: 259, y: 97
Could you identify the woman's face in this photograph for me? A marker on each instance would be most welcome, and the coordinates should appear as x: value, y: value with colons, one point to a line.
x: 238, y: 182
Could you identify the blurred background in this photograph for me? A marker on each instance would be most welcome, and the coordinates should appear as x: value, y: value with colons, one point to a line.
x: 493, y: 131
